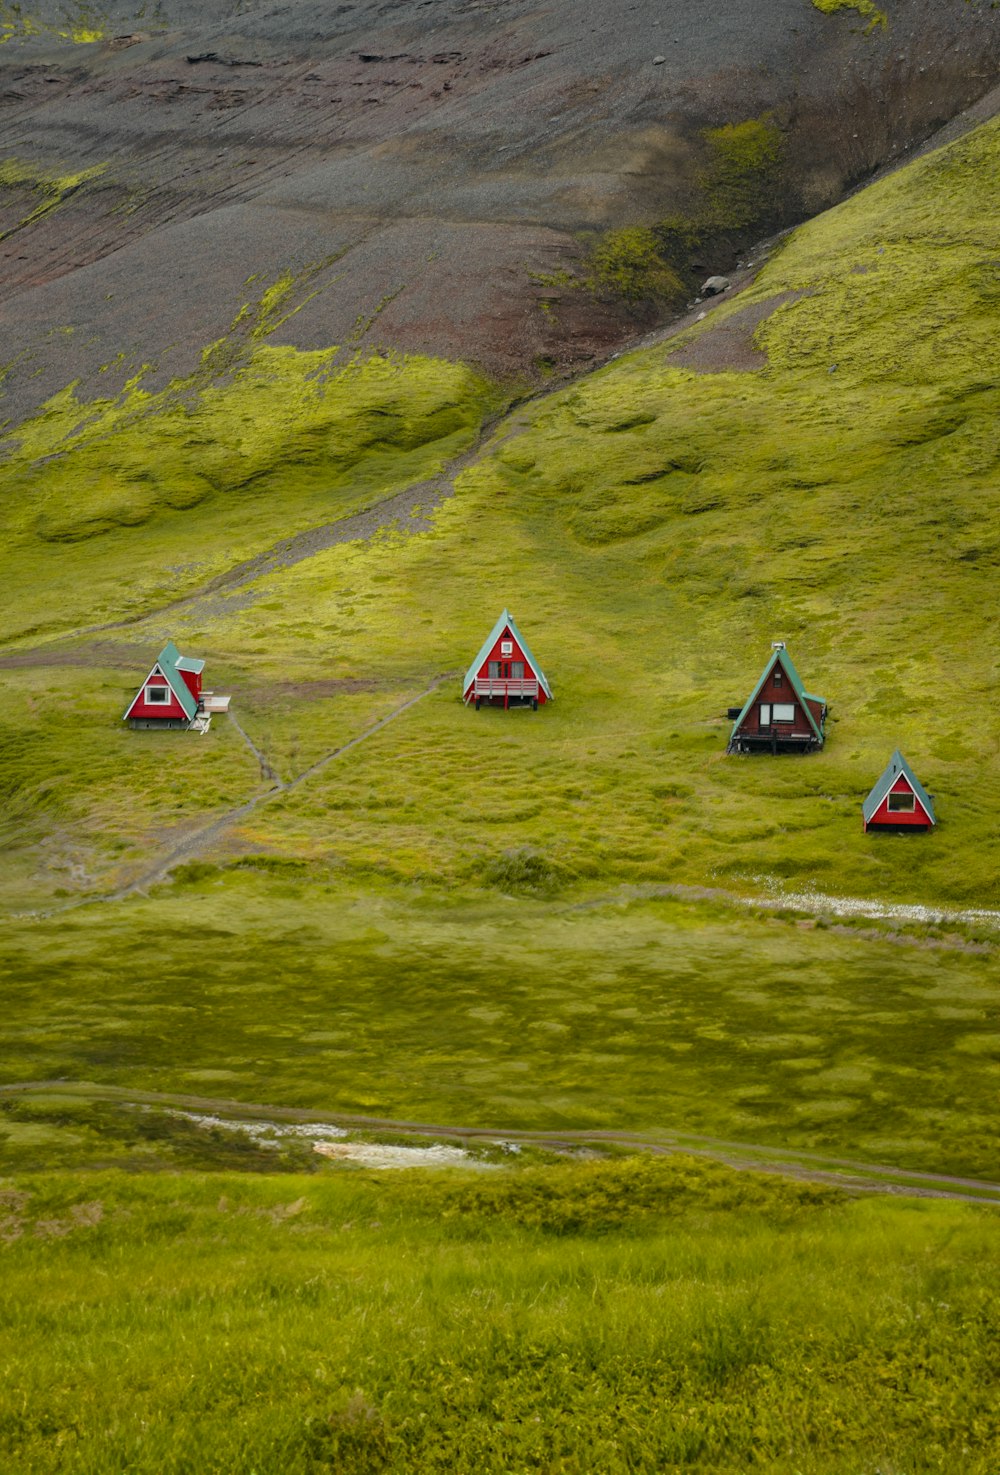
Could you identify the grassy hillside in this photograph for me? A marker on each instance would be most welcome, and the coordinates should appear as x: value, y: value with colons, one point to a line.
x: 652, y: 528
x: 630, y: 1316
x: 587, y: 918
x: 506, y: 1013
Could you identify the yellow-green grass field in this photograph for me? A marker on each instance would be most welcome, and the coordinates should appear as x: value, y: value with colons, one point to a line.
x: 652, y: 528
x: 618, y: 1317
x: 264, y: 984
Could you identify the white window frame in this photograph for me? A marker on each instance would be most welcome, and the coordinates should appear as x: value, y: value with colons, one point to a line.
x: 163, y: 701
x: 910, y: 808
x: 506, y: 647
x: 765, y: 714
x: 783, y: 712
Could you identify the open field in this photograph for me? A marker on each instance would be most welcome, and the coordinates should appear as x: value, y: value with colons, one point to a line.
x: 509, y: 1013
x: 616, y: 1317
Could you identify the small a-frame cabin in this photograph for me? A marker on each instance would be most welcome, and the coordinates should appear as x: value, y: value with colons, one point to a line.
x: 780, y: 716
x: 171, y: 695
x: 899, y: 800
x: 505, y: 672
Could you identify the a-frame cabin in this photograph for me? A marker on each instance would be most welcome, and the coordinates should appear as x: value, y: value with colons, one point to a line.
x: 779, y: 716
x: 899, y: 800
x: 170, y: 696
x: 505, y: 672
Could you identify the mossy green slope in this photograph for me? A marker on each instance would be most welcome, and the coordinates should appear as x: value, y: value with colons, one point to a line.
x: 652, y: 529
x: 580, y: 1318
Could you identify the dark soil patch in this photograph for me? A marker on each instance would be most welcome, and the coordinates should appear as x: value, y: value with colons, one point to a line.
x: 106, y: 653
x: 728, y: 347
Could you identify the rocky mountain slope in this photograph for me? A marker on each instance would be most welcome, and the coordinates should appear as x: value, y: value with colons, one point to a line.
x: 516, y: 184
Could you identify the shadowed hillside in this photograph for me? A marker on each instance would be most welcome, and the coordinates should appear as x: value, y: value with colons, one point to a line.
x: 516, y: 185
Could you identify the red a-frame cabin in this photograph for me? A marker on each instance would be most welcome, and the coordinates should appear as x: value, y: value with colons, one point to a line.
x: 505, y: 672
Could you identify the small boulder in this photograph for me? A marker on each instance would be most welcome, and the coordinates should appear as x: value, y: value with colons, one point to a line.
x: 658, y: 61
x: 714, y: 286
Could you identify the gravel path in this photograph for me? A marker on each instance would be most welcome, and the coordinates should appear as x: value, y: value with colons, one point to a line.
x: 846, y: 1173
x: 818, y: 904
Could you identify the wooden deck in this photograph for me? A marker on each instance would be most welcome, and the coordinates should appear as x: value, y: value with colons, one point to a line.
x: 503, y: 689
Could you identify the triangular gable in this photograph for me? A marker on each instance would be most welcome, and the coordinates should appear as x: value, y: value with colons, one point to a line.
x: 795, y: 681
x: 166, y: 668
x: 897, y: 767
x: 505, y: 622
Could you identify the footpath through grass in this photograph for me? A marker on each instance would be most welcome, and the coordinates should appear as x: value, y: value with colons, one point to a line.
x: 585, y: 1319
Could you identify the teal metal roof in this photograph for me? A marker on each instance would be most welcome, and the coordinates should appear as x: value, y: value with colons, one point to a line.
x: 506, y: 622
x: 189, y: 663
x: 897, y: 765
x: 795, y: 680
x: 169, y: 661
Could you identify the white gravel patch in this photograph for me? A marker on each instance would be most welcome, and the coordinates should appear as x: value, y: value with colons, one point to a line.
x: 265, y: 1134
x: 882, y: 911
x: 329, y: 1142
x: 373, y: 1155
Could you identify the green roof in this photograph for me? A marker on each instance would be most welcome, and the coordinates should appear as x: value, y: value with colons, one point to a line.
x: 897, y: 765
x: 780, y: 655
x: 505, y: 622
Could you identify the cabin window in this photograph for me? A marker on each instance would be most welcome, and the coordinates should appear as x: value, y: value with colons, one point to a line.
x: 494, y: 670
x: 506, y: 647
x: 517, y: 670
x: 765, y: 714
x: 784, y: 711
x: 157, y: 696
x: 902, y: 803
x: 777, y: 677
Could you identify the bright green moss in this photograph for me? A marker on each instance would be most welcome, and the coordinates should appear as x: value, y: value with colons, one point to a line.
x: 740, y: 183
x: 265, y: 441
x: 80, y: 22
x: 48, y: 190
x: 865, y: 8
x: 628, y: 262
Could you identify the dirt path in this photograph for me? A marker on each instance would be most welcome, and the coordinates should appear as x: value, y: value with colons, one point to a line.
x: 408, y: 512
x: 846, y: 1173
x: 195, y: 843
x: 267, y: 770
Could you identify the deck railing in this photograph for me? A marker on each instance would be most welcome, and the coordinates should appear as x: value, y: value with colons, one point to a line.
x: 509, y: 686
